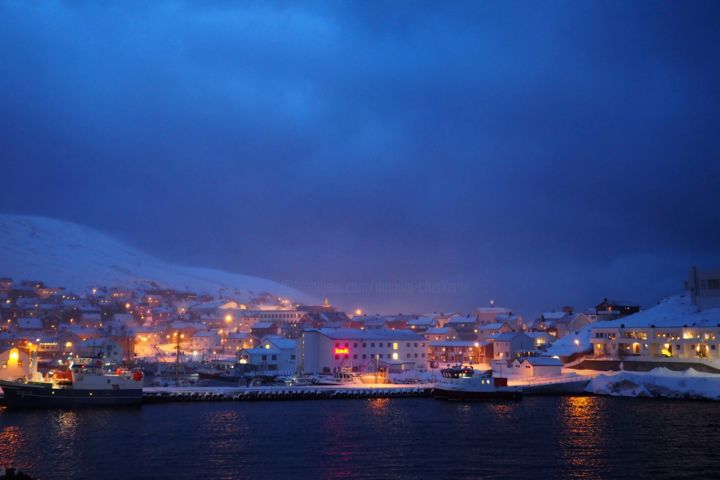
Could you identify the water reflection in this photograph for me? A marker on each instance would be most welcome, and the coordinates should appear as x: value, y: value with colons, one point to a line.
x: 11, y: 441
x: 379, y: 406
x: 502, y: 410
x: 66, y: 425
x: 582, y: 437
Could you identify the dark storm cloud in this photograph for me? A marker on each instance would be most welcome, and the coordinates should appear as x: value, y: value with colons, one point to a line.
x: 538, y: 153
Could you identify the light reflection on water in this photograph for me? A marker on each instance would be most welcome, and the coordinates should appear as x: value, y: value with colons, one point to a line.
x: 547, y: 437
x: 582, y: 437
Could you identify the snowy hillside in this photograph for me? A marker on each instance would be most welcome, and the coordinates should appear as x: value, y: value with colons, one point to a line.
x: 66, y: 254
x: 673, y: 311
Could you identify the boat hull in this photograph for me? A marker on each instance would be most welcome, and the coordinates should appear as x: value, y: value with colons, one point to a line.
x: 20, y: 395
x: 457, y: 394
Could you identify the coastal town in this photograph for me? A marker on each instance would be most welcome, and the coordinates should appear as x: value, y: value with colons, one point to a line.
x: 179, y: 338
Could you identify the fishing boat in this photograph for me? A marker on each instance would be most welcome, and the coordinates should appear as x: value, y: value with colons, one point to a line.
x: 463, y: 383
x: 83, y: 384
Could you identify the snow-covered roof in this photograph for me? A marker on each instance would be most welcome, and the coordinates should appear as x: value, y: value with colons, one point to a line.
x: 280, y: 342
x: 439, y: 331
x: 455, y: 320
x: 421, y: 321
x: 379, y: 334
x: 506, y: 337
x: 553, y: 315
x: 457, y: 343
x: 542, y: 361
x: 492, y: 326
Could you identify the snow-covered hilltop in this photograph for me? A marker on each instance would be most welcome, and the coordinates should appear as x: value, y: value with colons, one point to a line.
x: 77, y: 257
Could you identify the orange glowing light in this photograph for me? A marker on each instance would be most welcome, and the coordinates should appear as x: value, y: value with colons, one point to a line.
x: 342, y: 351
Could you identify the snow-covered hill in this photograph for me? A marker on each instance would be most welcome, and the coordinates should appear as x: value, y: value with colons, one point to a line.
x: 76, y: 257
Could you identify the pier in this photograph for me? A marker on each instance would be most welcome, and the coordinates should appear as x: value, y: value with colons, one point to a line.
x: 318, y: 392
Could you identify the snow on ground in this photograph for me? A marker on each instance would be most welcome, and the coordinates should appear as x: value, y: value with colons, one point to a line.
x: 659, y: 382
x: 73, y: 256
x: 674, y: 311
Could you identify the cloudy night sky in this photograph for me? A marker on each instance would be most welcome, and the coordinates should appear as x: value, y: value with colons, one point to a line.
x: 409, y: 156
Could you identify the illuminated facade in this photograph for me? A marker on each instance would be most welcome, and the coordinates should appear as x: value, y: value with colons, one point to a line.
x: 327, y: 350
x: 643, y: 343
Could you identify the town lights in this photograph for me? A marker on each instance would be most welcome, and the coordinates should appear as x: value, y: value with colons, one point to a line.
x: 228, y: 318
x: 577, y: 342
x: 358, y: 311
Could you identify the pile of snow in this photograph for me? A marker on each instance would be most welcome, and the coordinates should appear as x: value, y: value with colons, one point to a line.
x: 659, y: 382
x: 76, y: 257
x: 674, y: 311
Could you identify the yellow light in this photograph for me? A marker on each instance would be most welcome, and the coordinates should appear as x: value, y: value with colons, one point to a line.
x: 358, y: 311
x: 395, y: 347
x: 13, y: 359
x: 68, y: 344
x: 228, y: 318
x: 394, y: 356
x: 267, y: 346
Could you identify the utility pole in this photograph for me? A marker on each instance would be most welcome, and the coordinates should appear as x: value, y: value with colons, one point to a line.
x: 177, y: 359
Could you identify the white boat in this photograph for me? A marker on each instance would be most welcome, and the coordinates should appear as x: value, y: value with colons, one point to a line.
x: 84, y: 383
x: 463, y: 383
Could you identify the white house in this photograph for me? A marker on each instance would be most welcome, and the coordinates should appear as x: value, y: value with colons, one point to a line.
x: 15, y: 363
x: 274, y: 356
x: 537, y: 367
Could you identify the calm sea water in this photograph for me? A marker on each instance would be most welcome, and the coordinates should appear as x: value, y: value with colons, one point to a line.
x: 541, y: 437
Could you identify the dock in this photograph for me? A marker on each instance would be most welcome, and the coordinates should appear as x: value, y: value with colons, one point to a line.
x: 319, y: 392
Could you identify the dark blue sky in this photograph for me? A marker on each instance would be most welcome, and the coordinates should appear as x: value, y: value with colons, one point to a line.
x: 397, y: 157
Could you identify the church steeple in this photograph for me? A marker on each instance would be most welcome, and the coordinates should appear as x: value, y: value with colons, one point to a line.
x: 326, y: 303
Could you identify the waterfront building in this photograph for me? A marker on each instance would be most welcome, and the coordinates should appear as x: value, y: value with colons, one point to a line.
x: 275, y: 355
x: 695, y: 342
x: 327, y: 350
x: 537, y: 367
x: 15, y: 363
